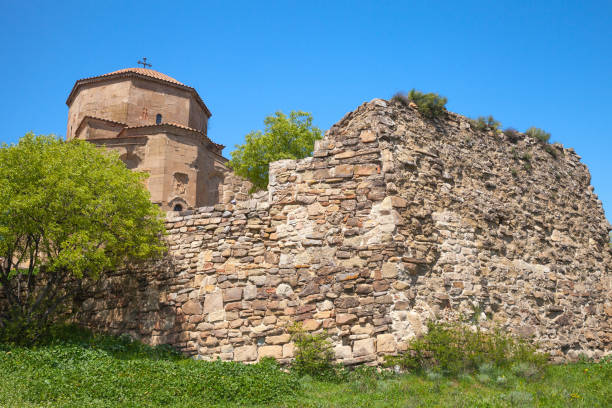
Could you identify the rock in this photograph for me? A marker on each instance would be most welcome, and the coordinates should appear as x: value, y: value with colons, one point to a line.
x: 284, y: 290
x: 363, y: 347
x: 280, y: 339
x: 385, y: 343
x: 192, y: 307
x: 213, y: 302
x: 345, y: 318
x: 390, y: 270
x: 347, y: 302
x: 367, y: 136
x: 311, y: 325
x: 232, y: 294
x: 246, y: 353
x: 288, y: 350
x: 250, y: 292
x: 343, y: 170
x: 343, y: 352
x: 275, y: 352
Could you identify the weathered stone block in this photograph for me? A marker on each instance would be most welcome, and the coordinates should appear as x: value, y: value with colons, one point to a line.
x: 367, y: 136
x: 345, y: 318
x: 192, y: 307
x: 311, y: 324
x: 280, y: 339
x: 366, y: 169
x: 232, y: 294
x: 385, y: 343
x: 288, y: 350
x: 246, y: 353
x: 343, y: 170
x: 213, y: 302
x: 270, y: 351
x: 284, y: 290
x: 363, y: 347
x: 343, y: 352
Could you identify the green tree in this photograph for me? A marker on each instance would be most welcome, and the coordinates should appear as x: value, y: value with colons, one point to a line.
x: 68, y: 211
x: 285, y: 137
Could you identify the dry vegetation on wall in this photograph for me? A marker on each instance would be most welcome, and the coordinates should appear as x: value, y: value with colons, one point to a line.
x: 395, y: 220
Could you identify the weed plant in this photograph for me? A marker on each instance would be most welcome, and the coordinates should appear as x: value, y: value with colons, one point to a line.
x: 485, y: 123
x: 430, y: 105
x: 314, y: 355
x: 538, y: 133
x: 453, y: 349
x: 512, y: 134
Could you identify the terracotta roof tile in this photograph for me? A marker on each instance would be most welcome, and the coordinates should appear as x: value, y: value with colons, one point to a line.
x: 178, y: 125
x: 142, y: 71
x: 103, y: 120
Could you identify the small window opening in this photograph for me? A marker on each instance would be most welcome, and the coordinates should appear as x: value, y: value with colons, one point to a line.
x: 158, y: 119
x: 178, y: 207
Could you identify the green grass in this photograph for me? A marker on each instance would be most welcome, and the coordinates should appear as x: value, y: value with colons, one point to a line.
x: 80, y: 370
x: 104, y: 371
x: 560, y: 386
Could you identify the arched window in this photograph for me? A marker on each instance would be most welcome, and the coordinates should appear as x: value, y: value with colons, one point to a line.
x: 177, y: 207
x: 158, y: 119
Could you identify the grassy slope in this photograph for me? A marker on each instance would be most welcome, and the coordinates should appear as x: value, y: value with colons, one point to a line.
x: 111, y: 372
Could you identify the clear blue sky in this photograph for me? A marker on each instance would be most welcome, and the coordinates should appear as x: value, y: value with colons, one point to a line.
x: 544, y: 63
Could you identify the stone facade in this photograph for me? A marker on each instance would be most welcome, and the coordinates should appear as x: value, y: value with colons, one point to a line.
x: 394, y: 221
x: 159, y: 126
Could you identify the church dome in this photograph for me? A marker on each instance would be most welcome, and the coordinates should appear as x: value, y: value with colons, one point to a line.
x: 144, y: 71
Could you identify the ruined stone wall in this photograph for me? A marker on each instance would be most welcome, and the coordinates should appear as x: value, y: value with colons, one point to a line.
x: 394, y: 221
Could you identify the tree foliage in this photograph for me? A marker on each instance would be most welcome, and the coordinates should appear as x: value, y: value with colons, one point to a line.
x: 285, y: 137
x: 68, y: 211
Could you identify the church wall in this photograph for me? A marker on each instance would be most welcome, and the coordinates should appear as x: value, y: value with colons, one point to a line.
x: 197, y: 118
x: 182, y: 155
x: 148, y: 98
x: 108, y: 100
x: 394, y: 221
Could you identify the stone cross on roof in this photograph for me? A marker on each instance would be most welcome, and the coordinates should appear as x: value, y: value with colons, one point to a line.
x: 144, y: 62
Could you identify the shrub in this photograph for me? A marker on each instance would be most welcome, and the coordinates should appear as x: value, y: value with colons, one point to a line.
x: 453, y: 349
x: 430, y: 105
x: 551, y: 150
x: 512, y: 134
x: 538, y: 133
x: 313, y: 354
x: 485, y: 123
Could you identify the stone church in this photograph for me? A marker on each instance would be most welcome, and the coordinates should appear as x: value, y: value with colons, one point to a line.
x: 159, y: 126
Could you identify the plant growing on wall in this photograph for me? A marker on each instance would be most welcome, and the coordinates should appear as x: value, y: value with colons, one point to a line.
x: 538, y: 133
x: 429, y: 105
x: 69, y: 213
x: 485, y: 123
x: 285, y: 137
x: 313, y: 353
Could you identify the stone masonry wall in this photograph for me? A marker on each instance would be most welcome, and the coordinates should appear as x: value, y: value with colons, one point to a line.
x: 394, y: 221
